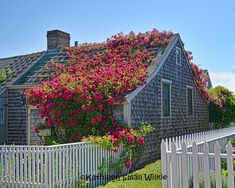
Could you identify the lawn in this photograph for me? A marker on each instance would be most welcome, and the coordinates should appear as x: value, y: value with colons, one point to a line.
x: 123, y: 182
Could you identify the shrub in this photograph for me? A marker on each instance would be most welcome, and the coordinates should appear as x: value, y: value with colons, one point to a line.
x: 3, y: 76
x: 132, y: 142
x: 8, y: 72
x: 222, y: 117
x: 212, y: 180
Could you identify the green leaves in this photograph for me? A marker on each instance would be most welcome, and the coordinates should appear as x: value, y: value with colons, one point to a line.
x: 224, y: 115
x: 4, y: 74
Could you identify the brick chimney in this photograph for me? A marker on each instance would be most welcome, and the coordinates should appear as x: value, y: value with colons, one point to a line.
x: 57, y: 39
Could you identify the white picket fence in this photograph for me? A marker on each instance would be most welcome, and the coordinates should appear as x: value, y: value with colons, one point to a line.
x: 219, y: 135
x: 64, y: 165
x: 189, y: 159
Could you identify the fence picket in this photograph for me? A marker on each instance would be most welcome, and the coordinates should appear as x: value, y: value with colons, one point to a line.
x: 230, y: 165
x: 206, y: 165
x: 46, y: 169
x: 59, y: 162
x: 64, y: 158
x: 195, y: 166
x: 217, y: 165
x: 174, y: 165
x: 184, y: 165
x: 163, y: 159
x: 21, y: 166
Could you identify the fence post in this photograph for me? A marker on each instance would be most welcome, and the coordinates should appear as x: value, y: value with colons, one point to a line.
x: 217, y: 165
x: 184, y: 165
x: 230, y: 165
x: 164, y: 167
x: 195, y: 166
x: 174, y: 166
x: 46, y: 174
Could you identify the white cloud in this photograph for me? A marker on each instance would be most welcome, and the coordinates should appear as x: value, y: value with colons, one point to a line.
x: 226, y: 79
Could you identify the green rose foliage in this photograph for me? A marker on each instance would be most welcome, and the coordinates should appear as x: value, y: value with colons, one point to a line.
x: 222, y: 117
x: 132, y: 146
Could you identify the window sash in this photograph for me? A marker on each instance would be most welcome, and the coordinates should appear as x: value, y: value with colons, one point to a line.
x: 1, y: 117
x: 189, y: 101
x: 178, y: 56
x: 166, y: 99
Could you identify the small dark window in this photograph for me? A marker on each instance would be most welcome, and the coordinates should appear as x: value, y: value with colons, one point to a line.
x: 178, y: 56
x: 190, y: 101
x: 166, y: 89
x: 1, y: 117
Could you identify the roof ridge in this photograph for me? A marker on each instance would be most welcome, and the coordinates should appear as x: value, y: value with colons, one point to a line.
x: 17, y: 56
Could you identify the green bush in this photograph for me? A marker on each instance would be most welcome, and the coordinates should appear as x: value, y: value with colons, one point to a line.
x: 212, y: 180
x: 3, y: 76
x: 222, y: 116
x: 8, y: 72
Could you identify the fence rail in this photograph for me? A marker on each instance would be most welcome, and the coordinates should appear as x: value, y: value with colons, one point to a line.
x: 65, y: 165
x: 195, y: 160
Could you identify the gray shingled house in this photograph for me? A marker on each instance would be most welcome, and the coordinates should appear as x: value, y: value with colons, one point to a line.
x: 170, y: 101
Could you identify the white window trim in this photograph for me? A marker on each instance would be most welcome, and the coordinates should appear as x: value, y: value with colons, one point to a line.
x: 177, y: 49
x: 165, y: 81
x: 189, y: 87
x: 30, y: 107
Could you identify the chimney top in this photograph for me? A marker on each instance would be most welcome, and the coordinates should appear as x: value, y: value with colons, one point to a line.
x: 57, y: 39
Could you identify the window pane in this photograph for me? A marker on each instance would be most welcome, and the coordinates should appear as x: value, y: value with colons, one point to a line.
x: 1, y: 117
x: 166, y: 99
x: 178, y: 56
x: 190, y: 101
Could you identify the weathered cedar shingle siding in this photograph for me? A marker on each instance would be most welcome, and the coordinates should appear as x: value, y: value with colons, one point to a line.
x: 17, y: 118
x: 3, y: 108
x: 146, y: 106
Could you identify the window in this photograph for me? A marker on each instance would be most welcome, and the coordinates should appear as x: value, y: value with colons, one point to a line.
x: 166, y: 98
x: 178, y: 56
x: 1, y: 117
x: 189, y: 100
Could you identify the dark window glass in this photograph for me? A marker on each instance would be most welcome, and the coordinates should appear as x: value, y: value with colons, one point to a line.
x: 190, y: 101
x: 166, y: 99
x: 1, y: 117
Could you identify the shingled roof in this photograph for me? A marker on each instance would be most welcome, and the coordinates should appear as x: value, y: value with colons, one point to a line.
x: 33, y: 68
x: 41, y: 69
x: 18, y: 65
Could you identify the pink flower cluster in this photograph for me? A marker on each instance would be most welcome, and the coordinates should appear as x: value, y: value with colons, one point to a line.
x: 201, y: 80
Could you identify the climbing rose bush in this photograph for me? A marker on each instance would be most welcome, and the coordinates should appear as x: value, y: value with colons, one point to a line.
x: 79, y: 98
x: 201, y: 80
x: 222, y: 117
x: 131, y: 140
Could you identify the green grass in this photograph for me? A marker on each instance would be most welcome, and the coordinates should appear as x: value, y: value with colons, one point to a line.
x: 123, y: 182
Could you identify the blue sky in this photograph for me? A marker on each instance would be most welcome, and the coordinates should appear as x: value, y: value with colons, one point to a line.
x: 206, y: 27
